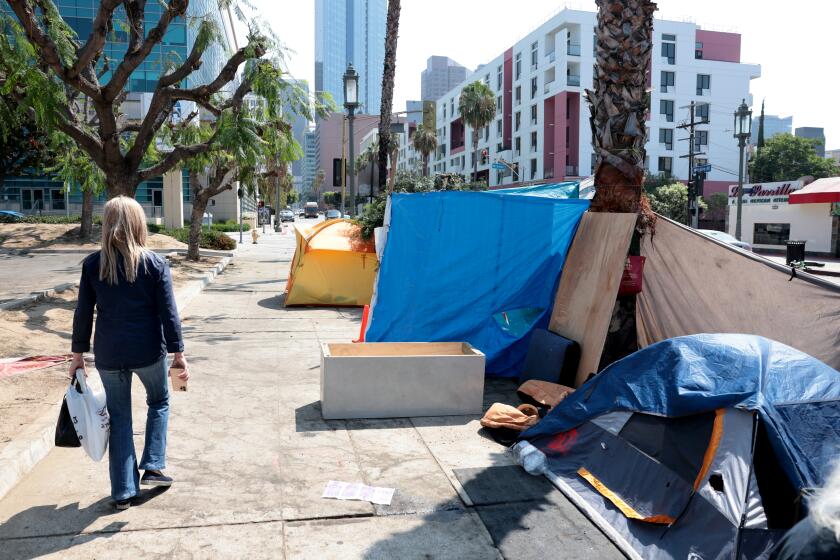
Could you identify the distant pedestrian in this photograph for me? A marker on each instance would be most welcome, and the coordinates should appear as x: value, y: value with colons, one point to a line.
x: 137, y: 325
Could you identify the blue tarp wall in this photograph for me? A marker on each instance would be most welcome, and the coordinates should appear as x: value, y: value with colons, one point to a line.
x: 480, y: 267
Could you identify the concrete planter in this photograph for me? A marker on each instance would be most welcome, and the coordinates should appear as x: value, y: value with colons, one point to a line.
x: 401, y: 379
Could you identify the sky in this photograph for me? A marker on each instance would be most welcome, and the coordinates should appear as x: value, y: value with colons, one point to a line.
x: 795, y: 47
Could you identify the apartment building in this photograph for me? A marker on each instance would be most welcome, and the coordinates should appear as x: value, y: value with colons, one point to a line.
x: 542, y: 131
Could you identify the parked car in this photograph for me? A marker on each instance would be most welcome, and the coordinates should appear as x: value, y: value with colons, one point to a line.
x: 287, y: 216
x: 11, y: 216
x: 726, y: 238
x: 332, y: 214
x: 301, y: 213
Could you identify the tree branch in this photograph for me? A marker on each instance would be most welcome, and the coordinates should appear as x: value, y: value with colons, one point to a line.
x: 96, y: 39
x: 133, y: 58
x: 173, y: 158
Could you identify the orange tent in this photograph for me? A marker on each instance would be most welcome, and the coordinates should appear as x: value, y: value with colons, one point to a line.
x: 332, y: 265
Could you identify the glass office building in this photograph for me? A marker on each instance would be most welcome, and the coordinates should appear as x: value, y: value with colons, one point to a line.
x: 37, y: 193
x: 350, y: 31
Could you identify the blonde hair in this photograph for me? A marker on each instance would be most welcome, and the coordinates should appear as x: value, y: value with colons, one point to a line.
x: 123, y: 234
x: 824, y: 506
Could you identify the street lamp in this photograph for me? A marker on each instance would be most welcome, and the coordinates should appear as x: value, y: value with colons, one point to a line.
x: 351, y: 101
x: 743, y: 129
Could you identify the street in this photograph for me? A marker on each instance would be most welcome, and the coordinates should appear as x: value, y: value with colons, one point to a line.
x: 251, y: 456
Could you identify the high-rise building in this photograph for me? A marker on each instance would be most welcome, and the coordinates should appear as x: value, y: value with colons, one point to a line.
x: 773, y: 125
x: 542, y: 127
x: 350, y: 31
x: 441, y: 74
x: 814, y: 133
x: 41, y: 193
x: 310, y: 159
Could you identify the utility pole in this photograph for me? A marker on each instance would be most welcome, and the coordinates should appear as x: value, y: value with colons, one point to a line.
x: 692, y: 209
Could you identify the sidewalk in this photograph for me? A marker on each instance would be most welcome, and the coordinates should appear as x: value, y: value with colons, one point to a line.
x: 251, y: 456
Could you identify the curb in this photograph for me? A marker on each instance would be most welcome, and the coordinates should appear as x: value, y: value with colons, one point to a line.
x: 25, y: 451
x: 35, y: 297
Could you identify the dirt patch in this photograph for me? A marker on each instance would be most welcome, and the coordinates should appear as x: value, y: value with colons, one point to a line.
x: 45, y: 328
x: 42, y: 328
x: 23, y: 237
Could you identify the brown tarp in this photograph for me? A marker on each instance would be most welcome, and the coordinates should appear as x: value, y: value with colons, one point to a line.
x: 694, y: 284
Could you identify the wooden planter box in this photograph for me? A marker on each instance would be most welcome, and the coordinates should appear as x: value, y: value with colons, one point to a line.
x: 401, y: 379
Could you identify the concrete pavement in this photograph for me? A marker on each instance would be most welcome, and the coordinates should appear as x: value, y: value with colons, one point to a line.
x: 251, y: 455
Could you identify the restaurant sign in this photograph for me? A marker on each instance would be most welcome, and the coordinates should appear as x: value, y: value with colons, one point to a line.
x: 765, y: 193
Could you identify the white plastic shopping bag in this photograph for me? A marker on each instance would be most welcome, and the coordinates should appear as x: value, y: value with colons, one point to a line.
x: 86, y: 404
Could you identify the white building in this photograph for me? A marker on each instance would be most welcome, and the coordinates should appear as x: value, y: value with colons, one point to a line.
x: 542, y: 124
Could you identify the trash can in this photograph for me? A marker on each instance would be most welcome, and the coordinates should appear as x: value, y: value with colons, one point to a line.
x: 795, y: 251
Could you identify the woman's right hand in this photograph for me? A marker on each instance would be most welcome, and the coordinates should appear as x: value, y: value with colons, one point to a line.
x: 78, y: 362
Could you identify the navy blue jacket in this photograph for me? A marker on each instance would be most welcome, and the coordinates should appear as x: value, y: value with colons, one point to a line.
x: 136, y: 324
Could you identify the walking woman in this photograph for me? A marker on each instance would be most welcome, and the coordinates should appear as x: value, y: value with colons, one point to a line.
x: 137, y: 325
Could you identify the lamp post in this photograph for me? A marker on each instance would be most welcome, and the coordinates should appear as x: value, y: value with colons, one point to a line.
x: 743, y: 129
x: 351, y: 101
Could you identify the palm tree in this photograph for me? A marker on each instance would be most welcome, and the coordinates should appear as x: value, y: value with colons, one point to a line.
x: 618, y: 103
x: 477, y: 106
x: 392, y: 25
x: 425, y: 142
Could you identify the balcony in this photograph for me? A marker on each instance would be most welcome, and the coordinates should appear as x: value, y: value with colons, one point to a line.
x: 571, y: 171
x: 551, y: 56
x: 572, y: 80
x: 573, y: 49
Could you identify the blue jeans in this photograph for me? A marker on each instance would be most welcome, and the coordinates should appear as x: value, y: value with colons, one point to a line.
x: 125, y: 478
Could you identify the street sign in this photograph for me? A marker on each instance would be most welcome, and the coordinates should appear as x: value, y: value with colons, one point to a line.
x: 501, y: 166
x: 703, y: 168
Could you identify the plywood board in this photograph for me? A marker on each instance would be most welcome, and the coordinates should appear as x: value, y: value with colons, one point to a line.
x: 589, y: 284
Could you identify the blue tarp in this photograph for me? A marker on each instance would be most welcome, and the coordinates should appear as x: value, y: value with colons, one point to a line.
x: 797, y: 396
x: 479, y: 267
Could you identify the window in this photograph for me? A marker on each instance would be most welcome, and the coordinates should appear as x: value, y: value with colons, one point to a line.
x: 499, y: 77
x: 534, y: 56
x: 668, y: 81
x: 499, y: 147
x: 517, y: 146
x: 666, y: 108
x: 444, y: 110
x: 57, y: 199
x: 533, y: 168
x: 499, y: 103
x: 486, y: 133
x: 698, y: 50
x: 517, y: 66
x: 704, y: 84
x: 533, y: 114
x: 701, y: 139
x: 533, y: 87
x: 517, y: 121
x: 517, y: 95
x: 669, y: 52
x: 666, y: 137
x: 669, y: 37
x: 698, y: 45
x: 771, y: 234
x: 499, y: 127
x: 487, y: 80
x: 452, y: 106
x: 534, y: 141
x: 666, y: 165
x: 702, y: 111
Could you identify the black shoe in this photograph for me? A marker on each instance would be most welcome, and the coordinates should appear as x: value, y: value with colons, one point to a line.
x: 123, y: 504
x: 155, y: 478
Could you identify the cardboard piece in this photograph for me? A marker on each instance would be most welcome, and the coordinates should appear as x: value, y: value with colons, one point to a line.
x: 589, y: 284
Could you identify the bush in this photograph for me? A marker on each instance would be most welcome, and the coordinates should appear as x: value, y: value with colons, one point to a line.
x: 230, y: 225
x: 209, y: 239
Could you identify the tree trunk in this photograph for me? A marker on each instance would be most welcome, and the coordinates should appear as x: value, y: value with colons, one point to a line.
x: 87, y: 214
x: 475, y: 156
x: 425, y: 165
x: 199, y: 206
x: 388, y: 72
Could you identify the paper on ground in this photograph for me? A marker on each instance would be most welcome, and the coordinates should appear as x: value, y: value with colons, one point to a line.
x: 357, y: 491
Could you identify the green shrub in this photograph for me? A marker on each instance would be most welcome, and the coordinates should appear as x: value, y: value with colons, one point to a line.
x: 154, y: 228
x: 209, y: 239
x: 230, y: 225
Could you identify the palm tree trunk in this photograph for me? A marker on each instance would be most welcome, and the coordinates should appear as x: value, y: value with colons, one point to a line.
x: 618, y: 103
x: 475, y: 156
x: 389, y: 70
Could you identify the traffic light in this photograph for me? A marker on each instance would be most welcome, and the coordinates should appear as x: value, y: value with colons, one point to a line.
x: 485, y: 156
